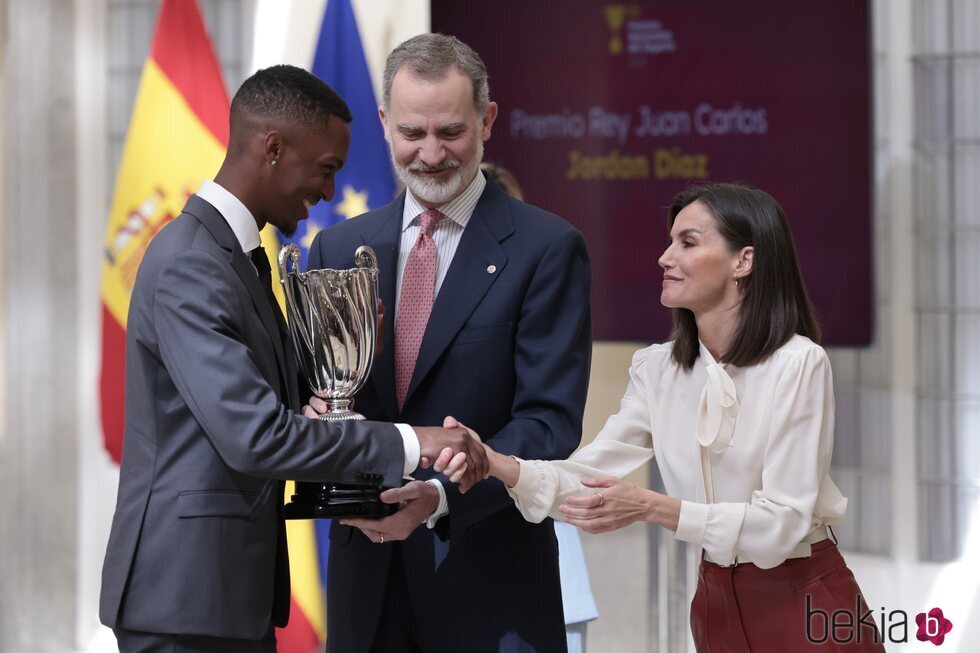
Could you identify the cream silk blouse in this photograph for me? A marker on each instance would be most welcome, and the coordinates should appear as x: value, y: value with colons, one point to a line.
x: 768, y: 431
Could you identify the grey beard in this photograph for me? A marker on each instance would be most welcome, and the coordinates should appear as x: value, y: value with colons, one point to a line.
x: 437, y: 192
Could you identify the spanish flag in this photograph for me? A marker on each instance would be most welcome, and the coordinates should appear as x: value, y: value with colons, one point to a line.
x: 177, y: 138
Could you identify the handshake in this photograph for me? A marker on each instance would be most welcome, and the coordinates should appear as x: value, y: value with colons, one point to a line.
x: 451, y: 449
x: 455, y: 451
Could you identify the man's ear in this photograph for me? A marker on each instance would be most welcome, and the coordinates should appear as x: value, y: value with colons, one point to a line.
x: 272, y: 145
x: 384, y: 121
x: 487, y: 121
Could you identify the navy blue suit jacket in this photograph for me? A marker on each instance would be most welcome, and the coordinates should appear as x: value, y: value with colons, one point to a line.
x: 506, y: 351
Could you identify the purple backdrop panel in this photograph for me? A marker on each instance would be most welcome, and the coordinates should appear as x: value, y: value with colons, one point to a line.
x: 608, y: 110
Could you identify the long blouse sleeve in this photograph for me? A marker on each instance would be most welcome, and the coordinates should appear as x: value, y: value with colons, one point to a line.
x: 623, y: 444
x: 797, y: 493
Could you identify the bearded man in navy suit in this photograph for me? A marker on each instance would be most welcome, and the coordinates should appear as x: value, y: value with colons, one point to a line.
x: 490, y: 299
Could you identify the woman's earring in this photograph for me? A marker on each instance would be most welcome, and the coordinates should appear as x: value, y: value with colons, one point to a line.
x: 735, y: 279
x: 273, y: 162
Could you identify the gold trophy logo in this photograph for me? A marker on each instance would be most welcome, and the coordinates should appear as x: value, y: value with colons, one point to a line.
x: 616, y: 16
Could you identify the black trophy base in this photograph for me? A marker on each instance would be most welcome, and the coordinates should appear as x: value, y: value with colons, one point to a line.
x: 330, y: 500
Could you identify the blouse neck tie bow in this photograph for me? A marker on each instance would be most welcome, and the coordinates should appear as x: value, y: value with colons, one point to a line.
x: 717, y: 410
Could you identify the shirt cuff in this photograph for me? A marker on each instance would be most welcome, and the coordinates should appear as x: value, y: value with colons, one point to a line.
x: 692, y: 522
x: 412, y: 449
x: 443, y: 508
x: 528, y: 480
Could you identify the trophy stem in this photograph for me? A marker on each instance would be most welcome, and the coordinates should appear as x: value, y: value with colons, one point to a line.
x: 339, y: 409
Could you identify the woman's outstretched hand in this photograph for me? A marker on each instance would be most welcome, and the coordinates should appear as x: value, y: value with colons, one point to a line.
x: 615, y: 503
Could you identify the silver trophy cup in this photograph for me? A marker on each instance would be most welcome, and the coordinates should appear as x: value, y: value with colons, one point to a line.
x: 333, y: 324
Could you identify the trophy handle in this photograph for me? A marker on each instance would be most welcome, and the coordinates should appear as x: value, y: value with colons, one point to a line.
x: 291, y: 285
x: 289, y: 253
x: 364, y: 257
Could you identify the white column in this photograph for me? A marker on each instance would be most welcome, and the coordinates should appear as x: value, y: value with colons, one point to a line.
x: 38, y: 469
x: 97, y: 474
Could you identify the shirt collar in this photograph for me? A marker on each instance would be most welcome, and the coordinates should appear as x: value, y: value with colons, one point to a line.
x: 459, y: 210
x: 238, y: 217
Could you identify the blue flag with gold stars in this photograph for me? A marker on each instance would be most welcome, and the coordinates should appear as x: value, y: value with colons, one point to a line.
x: 366, y: 181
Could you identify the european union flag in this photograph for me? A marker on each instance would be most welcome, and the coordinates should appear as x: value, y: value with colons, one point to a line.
x: 366, y: 180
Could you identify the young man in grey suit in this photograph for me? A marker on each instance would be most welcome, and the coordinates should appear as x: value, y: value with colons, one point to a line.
x: 490, y: 298
x: 197, y: 559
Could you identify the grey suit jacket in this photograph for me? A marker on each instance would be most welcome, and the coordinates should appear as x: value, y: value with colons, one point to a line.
x: 198, y: 541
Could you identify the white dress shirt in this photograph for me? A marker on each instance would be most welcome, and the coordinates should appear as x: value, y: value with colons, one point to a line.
x: 446, y: 235
x: 769, y: 431
x: 246, y: 231
x: 236, y: 214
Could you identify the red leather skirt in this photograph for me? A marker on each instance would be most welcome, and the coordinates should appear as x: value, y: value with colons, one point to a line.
x: 796, y: 606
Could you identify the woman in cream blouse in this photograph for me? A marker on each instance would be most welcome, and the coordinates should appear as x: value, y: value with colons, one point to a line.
x: 738, y: 410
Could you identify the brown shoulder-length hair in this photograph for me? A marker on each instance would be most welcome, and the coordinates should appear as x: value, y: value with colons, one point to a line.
x: 774, y: 303
x: 504, y: 178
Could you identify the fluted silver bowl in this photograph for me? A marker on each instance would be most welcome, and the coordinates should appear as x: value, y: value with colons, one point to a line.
x: 333, y: 323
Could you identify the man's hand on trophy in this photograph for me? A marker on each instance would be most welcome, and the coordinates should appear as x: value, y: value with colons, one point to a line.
x: 456, y: 452
x: 416, y: 502
x: 315, y: 407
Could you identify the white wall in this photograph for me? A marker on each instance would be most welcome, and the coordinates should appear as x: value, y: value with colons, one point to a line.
x: 901, y: 581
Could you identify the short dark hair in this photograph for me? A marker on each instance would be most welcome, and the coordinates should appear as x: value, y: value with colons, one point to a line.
x: 774, y: 304
x: 291, y: 94
x: 429, y: 57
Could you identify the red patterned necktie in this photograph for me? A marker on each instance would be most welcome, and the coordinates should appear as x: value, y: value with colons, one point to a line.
x: 415, y: 305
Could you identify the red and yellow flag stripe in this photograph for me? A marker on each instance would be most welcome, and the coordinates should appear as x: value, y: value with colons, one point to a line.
x: 177, y: 137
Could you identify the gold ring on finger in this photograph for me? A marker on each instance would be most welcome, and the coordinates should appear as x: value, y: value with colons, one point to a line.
x: 601, y: 500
